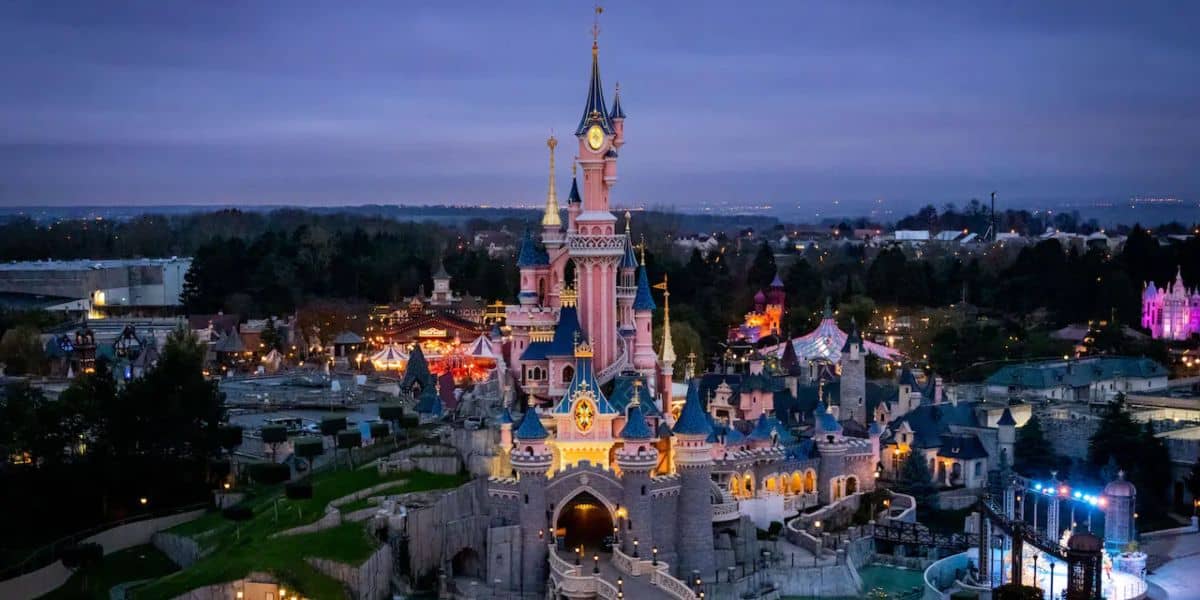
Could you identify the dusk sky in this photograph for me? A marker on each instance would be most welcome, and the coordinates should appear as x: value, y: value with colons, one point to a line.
x: 783, y: 102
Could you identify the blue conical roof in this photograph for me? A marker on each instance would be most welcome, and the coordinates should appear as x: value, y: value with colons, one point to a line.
x: 506, y: 417
x: 531, y: 255
x: 584, y: 381
x: 629, y: 260
x: 1007, y: 419
x: 644, y: 299
x: 417, y: 370
x: 907, y: 378
x: 573, y: 197
x: 531, y: 427
x: 692, y: 419
x: 430, y: 402
x: 762, y: 428
x: 636, y: 427
x: 854, y: 338
x: 617, y: 112
x: 595, y: 101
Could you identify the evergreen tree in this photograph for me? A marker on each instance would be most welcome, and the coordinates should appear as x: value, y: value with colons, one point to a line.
x: 762, y: 270
x: 1034, y: 455
x: 271, y: 337
x: 915, y: 478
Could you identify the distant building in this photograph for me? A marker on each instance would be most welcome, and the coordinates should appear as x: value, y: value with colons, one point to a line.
x: 101, y: 286
x: 1173, y: 312
x: 1093, y: 379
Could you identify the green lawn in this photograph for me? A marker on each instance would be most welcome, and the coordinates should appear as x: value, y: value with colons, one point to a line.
x: 236, y: 551
x: 132, y: 564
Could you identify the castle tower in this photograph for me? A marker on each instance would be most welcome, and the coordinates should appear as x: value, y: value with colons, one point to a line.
x: 832, y: 448
x: 643, y: 315
x: 853, y: 393
x: 636, y: 458
x: 627, y: 285
x: 531, y: 460
x: 693, y: 460
x: 594, y: 244
x: 574, y: 201
x: 584, y: 416
x: 503, y: 465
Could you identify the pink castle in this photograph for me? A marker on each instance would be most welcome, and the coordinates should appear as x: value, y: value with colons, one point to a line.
x: 1171, y: 313
x: 583, y: 281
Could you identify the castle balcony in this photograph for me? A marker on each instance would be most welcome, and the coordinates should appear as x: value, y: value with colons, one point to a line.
x: 626, y: 291
x: 596, y: 245
x: 726, y: 511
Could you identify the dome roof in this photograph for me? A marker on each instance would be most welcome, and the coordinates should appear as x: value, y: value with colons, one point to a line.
x: 1120, y: 488
x: 1085, y: 542
x: 760, y: 297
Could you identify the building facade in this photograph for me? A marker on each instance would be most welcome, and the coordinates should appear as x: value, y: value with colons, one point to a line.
x: 1172, y: 312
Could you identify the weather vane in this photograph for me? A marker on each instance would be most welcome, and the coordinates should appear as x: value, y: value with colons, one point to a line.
x: 596, y: 24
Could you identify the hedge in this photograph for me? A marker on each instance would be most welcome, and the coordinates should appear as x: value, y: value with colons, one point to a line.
x: 274, y: 434
x: 332, y: 425
x: 350, y: 438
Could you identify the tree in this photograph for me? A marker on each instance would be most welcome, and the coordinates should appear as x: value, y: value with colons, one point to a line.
x: 859, y: 308
x: 308, y: 448
x: 915, y: 478
x: 271, y: 337
x: 273, y: 435
x: 762, y: 270
x: 22, y: 352
x: 348, y: 440
x: 1035, y: 456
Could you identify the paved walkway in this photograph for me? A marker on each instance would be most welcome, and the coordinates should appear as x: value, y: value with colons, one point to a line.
x: 1177, y: 578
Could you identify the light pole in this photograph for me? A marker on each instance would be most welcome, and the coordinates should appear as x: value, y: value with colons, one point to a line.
x: 635, y: 547
x: 1052, y: 565
x: 654, y: 552
x: 595, y: 563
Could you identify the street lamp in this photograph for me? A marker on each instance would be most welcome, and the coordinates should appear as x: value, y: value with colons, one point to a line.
x: 595, y: 563
x: 654, y: 551
x: 578, y: 556
x: 635, y: 547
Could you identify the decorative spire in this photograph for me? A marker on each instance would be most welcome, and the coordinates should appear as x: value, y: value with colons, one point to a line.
x: 828, y: 309
x: 573, y: 197
x: 550, y: 218
x: 617, y: 112
x: 668, y: 349
x: 595, y: 110
x: 628, y: 224
x: 642, y: 249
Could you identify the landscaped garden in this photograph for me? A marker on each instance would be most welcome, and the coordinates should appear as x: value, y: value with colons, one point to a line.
x: 131, y: 564
x: 237, y: 548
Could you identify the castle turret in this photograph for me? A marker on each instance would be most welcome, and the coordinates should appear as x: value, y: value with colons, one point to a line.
x: 617, y: 114
x: 627, y: 284
x: 643, y: 314
x: 574, y: 202
x: 534, y: 266
x: 636, y: 458
x: 832, y: 447
x: 503, y: 465
x: 853, y: 391
x: 693, y: 460
x: 531, y: 460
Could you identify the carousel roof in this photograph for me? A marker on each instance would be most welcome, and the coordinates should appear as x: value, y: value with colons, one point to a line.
x: 391, y: 354
x: 230, y: 342
x: 826, y: 342
x: 347, y: 337
x: 482, y: 347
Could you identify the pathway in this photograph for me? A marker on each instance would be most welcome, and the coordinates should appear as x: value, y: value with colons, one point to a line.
x: 1176, y: 578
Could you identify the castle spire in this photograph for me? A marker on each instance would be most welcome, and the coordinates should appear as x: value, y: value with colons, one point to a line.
x: 595, y: 110
x: 551, y: 218
x: 573, y: 197
x: 668, y: 349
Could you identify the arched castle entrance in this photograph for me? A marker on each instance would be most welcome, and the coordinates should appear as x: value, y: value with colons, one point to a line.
x: 584, y: 521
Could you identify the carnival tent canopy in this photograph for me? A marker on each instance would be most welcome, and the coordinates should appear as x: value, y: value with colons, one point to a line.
x: 482, y: 348
x: 390, y: 358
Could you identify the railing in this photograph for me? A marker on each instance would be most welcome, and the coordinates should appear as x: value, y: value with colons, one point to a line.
x: 725, y: 512
x: 595, y: 244
x: 625, y: 563
x: 607, y: 373
x: 798, y: 502
x: 660, y: 574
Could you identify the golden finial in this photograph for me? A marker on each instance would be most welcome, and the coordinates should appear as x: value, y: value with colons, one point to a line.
x: 637, y: 393
x: 628, y: 217
x: 642, y: 248
x: 567, y: 297
x: 573, y: 165
x: 550, y: 218
x: 596, y: 30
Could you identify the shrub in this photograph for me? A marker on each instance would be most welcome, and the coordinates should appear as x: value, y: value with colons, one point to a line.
x: 379, y: 430
x: 1012, y: 591
x: 393, y: 411
x: 237, y: 512
x: 230, y: 437
x: 308, y: 448
x: 270, y: 473
x: 350, y: 438
x: 298, y: 490
x: 274, y: 434
x: 332, y: 425
x: 79, y: 556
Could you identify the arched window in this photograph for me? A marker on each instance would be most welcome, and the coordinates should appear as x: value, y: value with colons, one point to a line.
x: 568, y: 373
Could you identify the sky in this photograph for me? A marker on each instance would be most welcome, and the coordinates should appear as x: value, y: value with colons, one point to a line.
x: 791, y: 104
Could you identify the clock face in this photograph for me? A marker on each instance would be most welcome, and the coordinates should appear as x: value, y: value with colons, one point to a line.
x: 595, y: 137
x: 585, y: 415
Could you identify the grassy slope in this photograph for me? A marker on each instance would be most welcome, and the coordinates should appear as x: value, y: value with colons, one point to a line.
x: 234, y: 556
x: 139, y: 562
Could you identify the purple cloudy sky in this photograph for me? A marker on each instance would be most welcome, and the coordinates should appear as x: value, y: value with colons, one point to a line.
x: 791, y: 103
